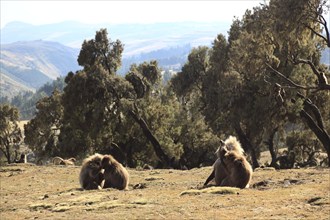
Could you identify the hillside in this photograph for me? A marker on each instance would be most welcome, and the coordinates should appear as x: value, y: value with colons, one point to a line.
x: 10, y: 87
x: 30, y: 55
x: 53, y: 192
x: 137, y: 38
x: 28, y: 65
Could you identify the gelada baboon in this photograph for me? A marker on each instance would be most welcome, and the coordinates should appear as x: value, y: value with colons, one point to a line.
x: 61, y: 161
x: 115, y: 175
x: 220, y: 172
x: 286, y: 160
x: 70, y: 161
x: 238, y: 169
x: 91, y: 175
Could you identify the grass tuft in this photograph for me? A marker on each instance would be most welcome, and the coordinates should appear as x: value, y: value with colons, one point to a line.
x: 211, y: 190
x: 39, y: 206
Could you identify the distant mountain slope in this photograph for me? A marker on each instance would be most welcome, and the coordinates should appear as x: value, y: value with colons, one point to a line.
x: 10, y: 87
x: 33, y: 63
x: 137, y: 38
x: 28, y: 58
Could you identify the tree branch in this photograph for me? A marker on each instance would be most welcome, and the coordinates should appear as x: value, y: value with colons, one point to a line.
x: 317, y: 127
x: 290, y: 81
x: 312, y: 66
x: 322, y: 80
x: 316, y: 112
x: 320, y: 35
x: 324, y: 23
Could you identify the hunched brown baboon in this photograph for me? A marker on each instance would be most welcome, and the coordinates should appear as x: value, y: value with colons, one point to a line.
x: 115, y: 175
x: 238, y: 169
x: 91, y: 175
x: 70, y: 161
x: 147, y: 167
x: 219, y: 172
x: 61, y: 161
x: 286, y: 160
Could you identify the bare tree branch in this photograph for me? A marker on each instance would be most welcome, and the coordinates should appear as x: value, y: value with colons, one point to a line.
x: 322, y: 80
x: 309, y: 105
x: 320, y: 35
x: 290, y: 81
x: 312, y: 66
x: 324, y: 23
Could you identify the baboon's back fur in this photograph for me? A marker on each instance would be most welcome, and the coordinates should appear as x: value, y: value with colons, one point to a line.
x: 115, y: 175
x: 239, y: 170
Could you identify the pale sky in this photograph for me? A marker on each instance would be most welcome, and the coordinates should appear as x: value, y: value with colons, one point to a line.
x: 117, y: 12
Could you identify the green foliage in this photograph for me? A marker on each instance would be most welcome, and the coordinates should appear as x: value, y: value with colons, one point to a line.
x: 10, y: 133
x: 193, y: 71
x: 91, y: 100
x: 91, y: 109
x: 304, y: 145
x: 101, y: 51
x: 41, y: 132
x: 145, y: 78
x: 198, y: 141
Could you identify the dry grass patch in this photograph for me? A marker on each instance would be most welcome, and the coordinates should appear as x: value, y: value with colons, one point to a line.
x: 50, y: 192
x: 211, y: 190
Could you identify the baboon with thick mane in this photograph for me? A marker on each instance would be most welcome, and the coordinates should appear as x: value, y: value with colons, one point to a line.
x: 61, y: 161
x: 91, y: 175
x: 115, y: 175
x: 219, y: 173
x: 239, y: 171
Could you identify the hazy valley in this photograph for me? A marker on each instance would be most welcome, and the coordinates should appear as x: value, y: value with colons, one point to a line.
x: 33, y: 55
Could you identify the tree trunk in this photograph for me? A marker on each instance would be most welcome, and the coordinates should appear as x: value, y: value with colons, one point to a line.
x: 316, y: 124
x: 164, y: 158
x: 129, y: 156
x: 270, y: 143
x: 247, y: 146
x: 7, y: 153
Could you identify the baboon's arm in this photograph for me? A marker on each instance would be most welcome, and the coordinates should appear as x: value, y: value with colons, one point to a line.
x: 211, y: 177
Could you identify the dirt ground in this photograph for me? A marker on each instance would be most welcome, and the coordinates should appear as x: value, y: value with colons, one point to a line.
x: 53, y: 192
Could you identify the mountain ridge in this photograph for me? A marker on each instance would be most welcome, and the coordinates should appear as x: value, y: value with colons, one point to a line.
x: 137, y: 38
x: 33, y: 63
x: 32, y: 55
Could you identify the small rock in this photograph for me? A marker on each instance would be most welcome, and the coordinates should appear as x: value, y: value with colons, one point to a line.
x: 139, y: 186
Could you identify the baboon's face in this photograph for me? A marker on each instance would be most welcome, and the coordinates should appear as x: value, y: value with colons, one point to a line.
x: 222, y: 150
x: 222, y: 145
x: 95, y: 165
x: 229, y: 157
